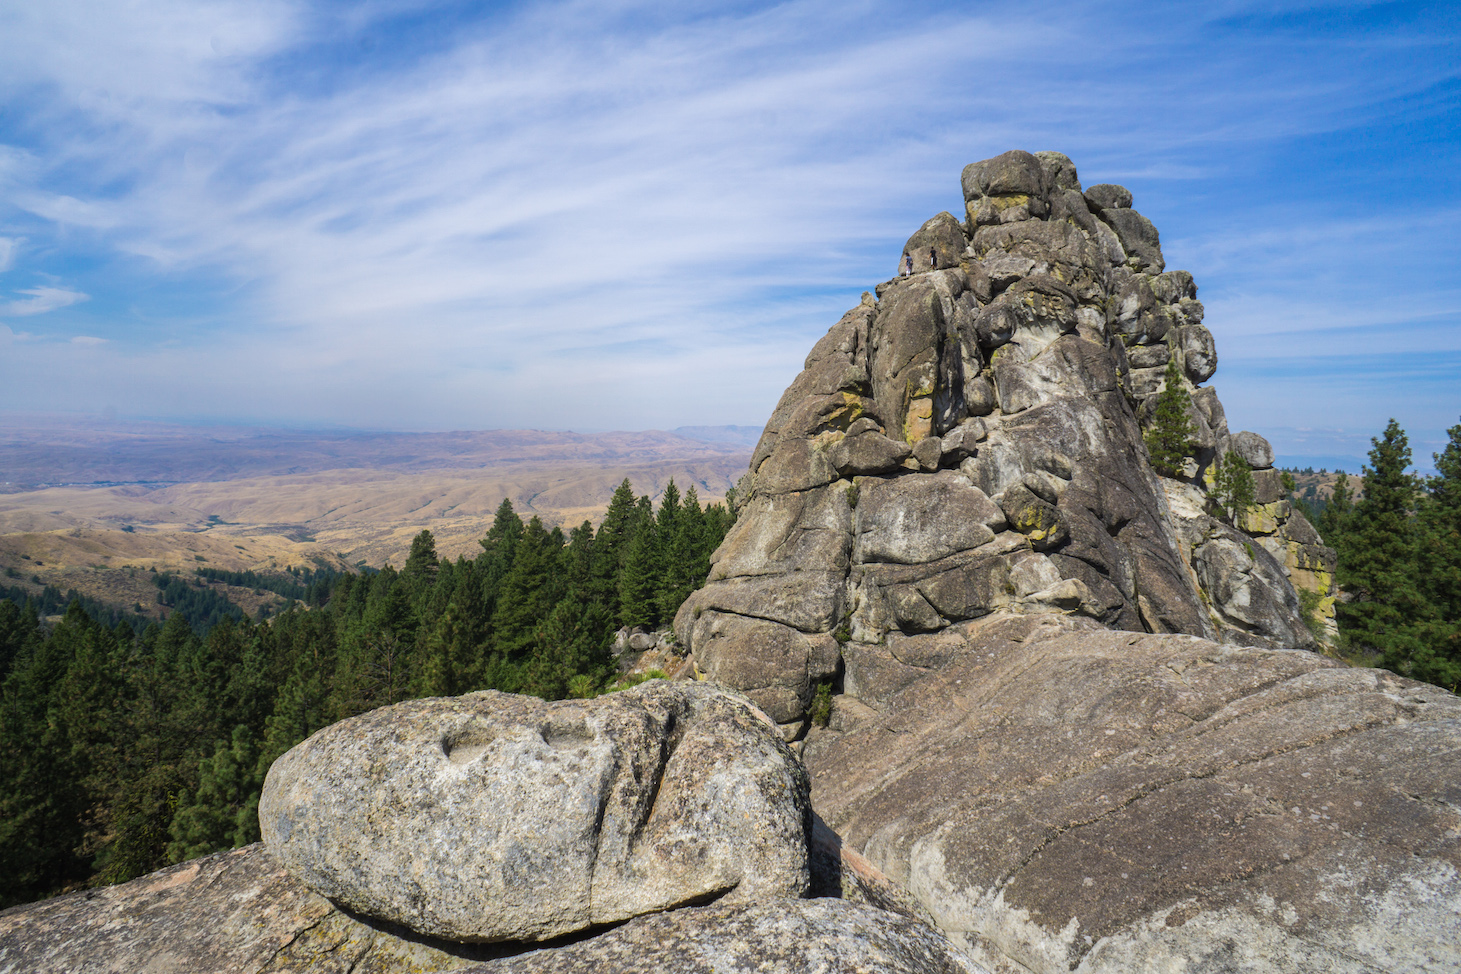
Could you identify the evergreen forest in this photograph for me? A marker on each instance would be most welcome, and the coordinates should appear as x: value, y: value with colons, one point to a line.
x: 124, y: 747
x: 1399, y: 546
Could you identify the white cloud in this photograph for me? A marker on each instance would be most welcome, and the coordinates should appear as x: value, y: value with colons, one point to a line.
x: 8, y: 248
x: 41, y: 300
x: 88, y: 340
x: 106, y: 56
x: 595, y: 221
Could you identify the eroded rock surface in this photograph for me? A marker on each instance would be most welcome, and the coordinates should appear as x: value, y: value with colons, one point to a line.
x: 236, y: 912
x: 782, y: 937
x: 969, y: 442
x: 494, y: 816
x: 1064, y: 797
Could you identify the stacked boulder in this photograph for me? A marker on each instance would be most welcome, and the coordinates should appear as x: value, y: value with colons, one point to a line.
x: 969, y: 441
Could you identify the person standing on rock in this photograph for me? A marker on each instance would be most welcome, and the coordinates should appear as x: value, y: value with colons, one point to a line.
x: 932, y: 259
x: 907, y: 269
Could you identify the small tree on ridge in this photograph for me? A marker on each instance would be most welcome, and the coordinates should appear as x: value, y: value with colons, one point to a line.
x: 1169, y: 438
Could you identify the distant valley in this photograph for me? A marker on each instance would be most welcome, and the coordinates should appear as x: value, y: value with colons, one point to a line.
x: 87, y: 507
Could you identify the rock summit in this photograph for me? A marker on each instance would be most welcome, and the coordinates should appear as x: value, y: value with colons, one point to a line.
x: 968, y: 441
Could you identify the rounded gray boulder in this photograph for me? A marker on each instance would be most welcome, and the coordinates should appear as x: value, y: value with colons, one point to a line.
x: 493, y: 816
x: 1254, y: 449
x: 1109, y: 196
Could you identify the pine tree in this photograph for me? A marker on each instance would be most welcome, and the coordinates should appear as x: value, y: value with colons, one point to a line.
x: 374, y: 659
x: 528, y: 592
x: 251, y: 685
x: 446, y: 660
x: 1169, y: 437
x: 499, y: 551
x: 1232, y: 486
x: 718, y: 522
x: 299, y: 711
x: 1378, y: 565
x: 573, y: 641
x: 500, y: 546
x: 1438, y: 660
x: 422, y: 565
x: 681, y: 549
x: 217, y: 816
x: 577, y: 566
x: 41, y: 798
x: 611, y: 542
x: 19, y: 631
x: 640, y: 572
x: 1334, y: 522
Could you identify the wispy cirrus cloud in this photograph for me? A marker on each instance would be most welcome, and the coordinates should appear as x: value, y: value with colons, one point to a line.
x: 39, y: 300
x: 576, y: 213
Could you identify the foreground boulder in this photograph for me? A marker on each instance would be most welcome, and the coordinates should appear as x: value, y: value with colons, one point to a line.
x: 1062, y: 797
x: 786, y: 937
x: 493, y: 816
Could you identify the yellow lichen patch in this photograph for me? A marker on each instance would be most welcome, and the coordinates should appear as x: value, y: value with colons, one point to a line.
x: 919, y: 421
x: 1318, y: 582
x: 842, y: 416
x: 1002, y: 203
x: 1035, y: 522
x: 1261, y: 518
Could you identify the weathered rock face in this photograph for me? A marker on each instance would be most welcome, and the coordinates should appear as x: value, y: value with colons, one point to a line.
x: 970, y: 442
x: 236, y: 912
x: 1063, y: 797
x: 784, y: 937
x: 494, y: 817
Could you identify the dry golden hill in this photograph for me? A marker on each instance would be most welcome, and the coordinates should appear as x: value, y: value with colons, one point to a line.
x: 178, y: 498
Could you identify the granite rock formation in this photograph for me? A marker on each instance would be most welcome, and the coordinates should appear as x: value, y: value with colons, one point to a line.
x: 1060, y: 797
x: 493, y: 816
x: 969, y: 441
x: 1074, y: 712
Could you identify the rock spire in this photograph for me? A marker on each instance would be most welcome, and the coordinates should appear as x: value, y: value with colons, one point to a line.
x: 968, y: 441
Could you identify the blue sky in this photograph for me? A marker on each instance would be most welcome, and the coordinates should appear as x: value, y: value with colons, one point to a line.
x: 621, y: 215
